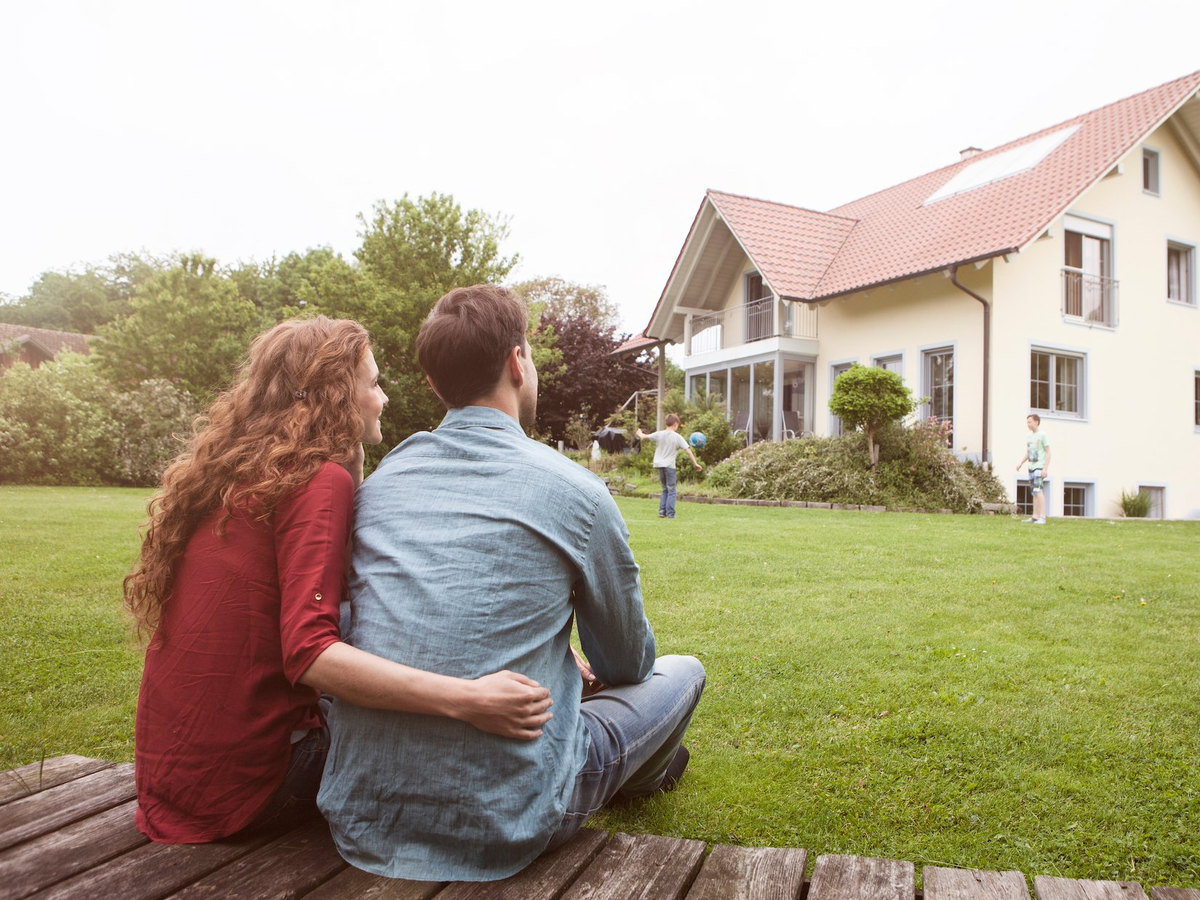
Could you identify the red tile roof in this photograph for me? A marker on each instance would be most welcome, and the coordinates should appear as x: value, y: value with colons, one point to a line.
x: 635, y: 343
x: 894, y: 234
x: 53, y: 341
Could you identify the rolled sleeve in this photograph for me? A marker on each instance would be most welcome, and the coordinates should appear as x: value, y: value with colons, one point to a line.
x: 613, y: 628
x: 312, y: 526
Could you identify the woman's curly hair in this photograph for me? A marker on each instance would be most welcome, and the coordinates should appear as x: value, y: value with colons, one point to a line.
x: 291, y: 407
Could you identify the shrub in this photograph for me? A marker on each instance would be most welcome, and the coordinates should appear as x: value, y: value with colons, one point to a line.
x: 62, y: 423
x: 870, y: 398
x: 1135, y: 505
x: 915, y: 470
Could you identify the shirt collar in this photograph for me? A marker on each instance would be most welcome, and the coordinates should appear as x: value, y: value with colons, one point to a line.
x: 481, y: 417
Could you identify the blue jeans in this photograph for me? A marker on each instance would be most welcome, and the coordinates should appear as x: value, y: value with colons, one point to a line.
x: 666, y: 502
x: 635, y: 730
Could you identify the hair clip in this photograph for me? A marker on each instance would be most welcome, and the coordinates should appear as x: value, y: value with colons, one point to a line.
x: 300, y: 395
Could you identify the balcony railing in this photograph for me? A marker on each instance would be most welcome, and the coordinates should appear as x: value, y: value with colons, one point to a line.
x: 751, y: 322
x: 1090, y: 298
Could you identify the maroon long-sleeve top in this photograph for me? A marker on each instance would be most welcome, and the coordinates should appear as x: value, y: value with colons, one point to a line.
x: 249, y: 612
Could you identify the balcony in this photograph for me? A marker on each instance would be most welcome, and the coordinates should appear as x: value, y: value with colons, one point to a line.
x: 1089, y: 298
x: 751, y: 322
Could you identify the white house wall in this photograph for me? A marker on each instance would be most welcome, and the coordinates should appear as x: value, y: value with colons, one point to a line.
x: 1138, y: 423
x: 909, y: 318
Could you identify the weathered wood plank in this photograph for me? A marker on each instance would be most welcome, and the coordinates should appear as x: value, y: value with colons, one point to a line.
x: 970, y: 884
x: 355, y: 884
x: 641, y: 867
x: 289, y: 867
x: 155, y: 870
x: 750, y: 873
x: 26, y: 780
x: 543, y: 879
x: 862, y: 878
x: 55, y: 807
x: 41, y: 862
x: 1170, y: 893
x: 1047, y: 887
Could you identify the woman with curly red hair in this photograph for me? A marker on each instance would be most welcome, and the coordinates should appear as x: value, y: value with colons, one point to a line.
x: 240, y: 579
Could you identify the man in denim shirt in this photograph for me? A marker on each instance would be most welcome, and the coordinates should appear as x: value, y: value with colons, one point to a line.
x: 475, y: 549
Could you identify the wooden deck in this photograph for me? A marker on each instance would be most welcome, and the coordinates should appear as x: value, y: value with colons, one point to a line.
x: 66, y: 831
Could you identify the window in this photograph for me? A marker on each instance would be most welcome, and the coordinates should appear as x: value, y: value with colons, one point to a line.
x: 1077, y: 499
x: 1181, y: 266
x: 1056, y: 382
x: 835, y: 423
x: 760, y: 308
x: 1150, y: 171
x: 1089, y: 291
x: 894, y: 363
x: 1156, y: 500
x: 938, y: 385
x: 1024, y: 499
x: 1197, y: 374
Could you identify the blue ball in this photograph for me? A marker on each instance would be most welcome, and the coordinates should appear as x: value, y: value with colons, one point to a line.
x: 697, y: 439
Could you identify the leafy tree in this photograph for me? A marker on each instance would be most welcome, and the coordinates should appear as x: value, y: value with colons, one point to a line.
x: 869, y: 398
x: 82, y: 301
x: 561, y: 299
x: 187, y: 325
x: 281, y: 287
x: 594, y: 379
x: 412, y: 252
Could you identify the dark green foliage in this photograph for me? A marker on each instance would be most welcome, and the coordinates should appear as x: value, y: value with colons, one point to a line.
x: 915, y: 470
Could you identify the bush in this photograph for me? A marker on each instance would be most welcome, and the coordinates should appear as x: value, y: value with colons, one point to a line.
x: 63, y: 423
x: 915, y: 470
x: 1135, y: 505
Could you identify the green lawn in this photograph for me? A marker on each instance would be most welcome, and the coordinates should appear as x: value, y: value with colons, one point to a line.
x: 952, y: 690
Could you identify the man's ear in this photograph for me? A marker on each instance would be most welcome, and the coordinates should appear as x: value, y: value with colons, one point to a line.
x: 513, y: 364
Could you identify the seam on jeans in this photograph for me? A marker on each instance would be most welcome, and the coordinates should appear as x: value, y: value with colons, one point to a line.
x: 684, y: 697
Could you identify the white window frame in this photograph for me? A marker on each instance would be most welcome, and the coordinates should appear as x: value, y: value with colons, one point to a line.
x: 1153, y: 155
x: 1189, y: 288
x: 1089, y: 498
x: 1196, y: 407
x: 879, y: 358
x: 1162, y: 498
x: 835, y: 369
x: 1102, y: 230
x: 1023, y: 509
x: 1080, y: 388
x: 926, y: 352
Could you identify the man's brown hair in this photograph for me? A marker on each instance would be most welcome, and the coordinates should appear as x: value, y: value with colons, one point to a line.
x: 672, y: 419
x: 466, y: 338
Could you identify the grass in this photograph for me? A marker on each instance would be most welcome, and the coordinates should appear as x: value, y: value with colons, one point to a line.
x: 951, y: 690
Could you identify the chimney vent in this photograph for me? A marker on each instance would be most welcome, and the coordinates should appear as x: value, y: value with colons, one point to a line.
x: 969, y: 152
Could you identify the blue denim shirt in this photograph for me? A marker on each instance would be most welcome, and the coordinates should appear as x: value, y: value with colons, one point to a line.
x: 474, y: 547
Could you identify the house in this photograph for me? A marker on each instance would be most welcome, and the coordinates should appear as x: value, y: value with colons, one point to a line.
x: 37, y: 345
x: 1054, y: 274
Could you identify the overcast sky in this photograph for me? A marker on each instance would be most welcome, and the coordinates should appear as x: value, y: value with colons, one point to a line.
x: 252, y: 128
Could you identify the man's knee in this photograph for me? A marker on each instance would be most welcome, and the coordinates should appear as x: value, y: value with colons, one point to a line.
x: 686, y: 669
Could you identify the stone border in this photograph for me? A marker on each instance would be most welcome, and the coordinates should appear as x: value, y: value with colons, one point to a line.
x: 989, y: 509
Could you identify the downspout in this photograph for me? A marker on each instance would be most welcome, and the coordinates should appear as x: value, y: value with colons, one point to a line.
x: 987, y: 353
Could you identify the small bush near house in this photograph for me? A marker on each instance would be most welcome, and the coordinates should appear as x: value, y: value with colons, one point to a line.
x: 1135, y: 505
x: 915, y: 470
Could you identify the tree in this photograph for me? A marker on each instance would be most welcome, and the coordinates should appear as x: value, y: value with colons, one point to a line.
x: 280, y: 287
x: 412, y: 252
x: 869, y: 398
x: 594, y: 378
x: 563, y: 299
x: 82, y: 301
x: 187, y: 326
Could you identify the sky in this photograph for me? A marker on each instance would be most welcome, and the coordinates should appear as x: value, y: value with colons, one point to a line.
x: 250, y: 129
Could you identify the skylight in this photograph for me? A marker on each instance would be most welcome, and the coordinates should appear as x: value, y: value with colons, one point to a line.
x: 1002, y: 165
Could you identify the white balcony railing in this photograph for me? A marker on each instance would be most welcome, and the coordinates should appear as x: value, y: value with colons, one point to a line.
x: 752, y: 322
x: 1091, y: 298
